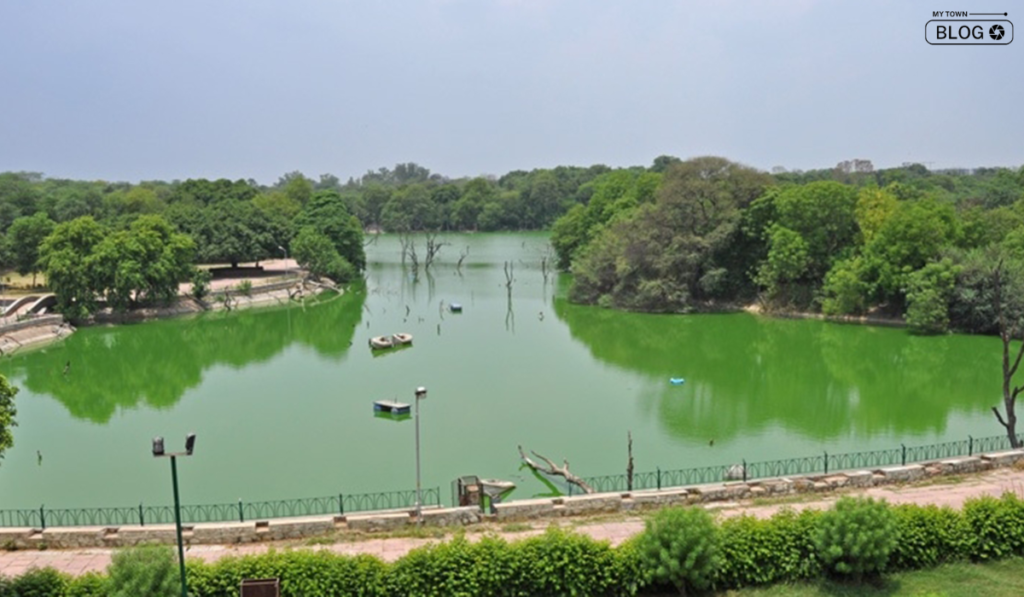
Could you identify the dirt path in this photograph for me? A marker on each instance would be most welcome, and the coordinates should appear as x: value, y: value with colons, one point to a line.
x: 946, y: 491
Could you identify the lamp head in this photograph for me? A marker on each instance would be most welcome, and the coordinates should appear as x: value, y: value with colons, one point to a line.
x: 421, y: 392
x: 158, y: 446
x: 190, y: 443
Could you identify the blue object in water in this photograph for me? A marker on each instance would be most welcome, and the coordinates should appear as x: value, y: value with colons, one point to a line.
x: 455, y: 308
x: 676, y: 381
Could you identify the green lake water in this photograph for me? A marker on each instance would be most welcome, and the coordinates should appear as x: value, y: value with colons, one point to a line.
x: 281, y: 399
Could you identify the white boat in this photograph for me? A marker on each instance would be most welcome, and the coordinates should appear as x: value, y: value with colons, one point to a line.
x: 381, y: 342
x: 401, y: 339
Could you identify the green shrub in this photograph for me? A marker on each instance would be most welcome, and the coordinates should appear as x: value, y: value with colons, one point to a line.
x: 758, y: 551
x: 340, y: 270
x: 39, y: 582
x: 302, y: 573
x: 681, y: 546
x: 449, y: 568
x: 929, y: 536
x: 632, y: 573
x: 201, y: 279
x: 997, y: 526
x: 564, y: 563
x: 90, y: 584
x: 245, y: 287
x: 150, y: 570
x: 856, y: 537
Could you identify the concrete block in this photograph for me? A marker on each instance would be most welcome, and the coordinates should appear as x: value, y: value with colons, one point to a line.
x: 902, y: 474
x: 379, y: 522
x: 664, y: 497
x: 452, y: 516
x: 525, y: 509
x: 956, y: 466
x: 859, y: 478
x: 592, y: 503
x: 1007, y: 458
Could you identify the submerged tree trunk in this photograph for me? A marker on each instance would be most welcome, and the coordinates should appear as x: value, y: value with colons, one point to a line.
x: 551, y: 469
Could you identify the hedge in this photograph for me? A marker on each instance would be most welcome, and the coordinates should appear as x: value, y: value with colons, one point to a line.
x: 787, y: 547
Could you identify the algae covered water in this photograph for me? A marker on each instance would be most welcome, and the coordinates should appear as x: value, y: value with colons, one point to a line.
x: 281, y: 398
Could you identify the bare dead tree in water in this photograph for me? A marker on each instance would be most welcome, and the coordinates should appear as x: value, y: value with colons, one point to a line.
x: 629, y: 462
x: 462, y: 257
x: 509, y: 276
x: 551, y: 469
x: 510, y: 316
x: 433, y: 247
x: 409, y: 251
x: 1009, y: 329
x: 544, y: 269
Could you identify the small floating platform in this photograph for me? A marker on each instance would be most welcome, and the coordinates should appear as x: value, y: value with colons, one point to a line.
x: 391, y: 407
x: 455, y: 307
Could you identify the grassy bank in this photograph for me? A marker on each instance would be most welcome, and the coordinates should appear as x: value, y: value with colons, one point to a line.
x: 1004, y: 578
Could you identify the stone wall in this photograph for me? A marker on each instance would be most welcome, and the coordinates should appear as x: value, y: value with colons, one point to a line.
x: 597, y: 503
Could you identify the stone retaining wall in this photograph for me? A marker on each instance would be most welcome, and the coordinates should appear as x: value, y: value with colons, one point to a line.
x: 32, y: 322
x: 598, y: 503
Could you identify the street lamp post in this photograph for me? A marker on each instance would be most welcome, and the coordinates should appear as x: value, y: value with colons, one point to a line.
x: 158, y: 452
x: 421, y: 393
x: 286, y: 269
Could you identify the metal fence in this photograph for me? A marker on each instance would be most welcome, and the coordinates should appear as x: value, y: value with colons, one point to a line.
x: 240, y: 511
x: 341, y: 504
x: 823, y: 463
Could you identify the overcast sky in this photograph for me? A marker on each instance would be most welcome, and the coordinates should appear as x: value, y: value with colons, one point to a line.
x: 130, y: 90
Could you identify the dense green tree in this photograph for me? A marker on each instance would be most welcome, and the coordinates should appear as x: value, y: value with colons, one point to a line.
x: 928, y: 293
x: 315, y: 252
x: 912, y: 236
x: 296, y: 187
x: 663, y: 256
x: 788, y: 259
x: 410, y: 209
x: 847, y: 289
x: 328, y: 214
x: 206, y: 192
x: 614, y: 194
x: 25, y: 235
x: 822, y: 214
x: 476, y: 194
x: 64, y: 258
x: 144, y: 263
x: 228, y: 231
x: 7, y: 414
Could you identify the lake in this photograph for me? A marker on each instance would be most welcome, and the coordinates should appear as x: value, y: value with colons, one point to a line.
x: 281, y: 398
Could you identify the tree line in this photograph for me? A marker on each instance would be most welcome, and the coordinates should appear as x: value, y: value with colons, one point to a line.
x: 131, y: 244
x: 943, y: 250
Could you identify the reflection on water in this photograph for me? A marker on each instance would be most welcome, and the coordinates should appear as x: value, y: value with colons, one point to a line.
x: 154, y: 363
x: 281, y: 399
x: 744, y: 373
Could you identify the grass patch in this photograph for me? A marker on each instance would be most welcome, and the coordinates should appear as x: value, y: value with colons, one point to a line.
x: 997, y: 579
x: 516, y: 527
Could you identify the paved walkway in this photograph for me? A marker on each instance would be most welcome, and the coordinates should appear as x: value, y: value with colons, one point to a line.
x: 942, y: 492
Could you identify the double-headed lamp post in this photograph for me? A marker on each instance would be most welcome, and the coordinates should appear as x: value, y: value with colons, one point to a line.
x: 421, y: 393
x: 158, y: 452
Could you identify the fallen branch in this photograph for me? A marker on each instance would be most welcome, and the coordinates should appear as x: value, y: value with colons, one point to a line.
x: 562, y: 471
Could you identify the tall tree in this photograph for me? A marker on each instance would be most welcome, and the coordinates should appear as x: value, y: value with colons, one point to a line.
x: 328, y: 214
x: 7, y: 414
x: 64, y: 257
x: 1008, y: 290
x: 25, y: 236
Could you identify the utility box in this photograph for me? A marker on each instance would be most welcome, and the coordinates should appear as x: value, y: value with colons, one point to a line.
x: 261, y: 587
